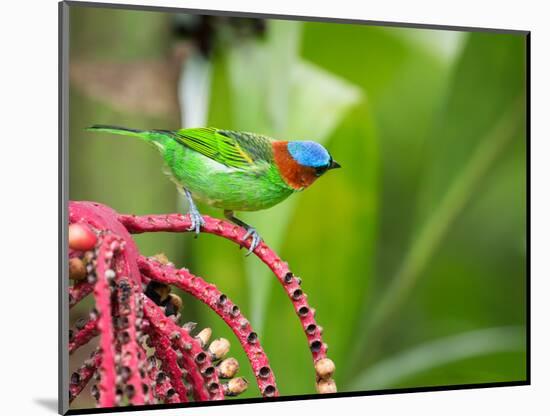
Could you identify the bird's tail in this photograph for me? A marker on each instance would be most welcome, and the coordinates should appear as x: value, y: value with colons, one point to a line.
x: 156, y: 137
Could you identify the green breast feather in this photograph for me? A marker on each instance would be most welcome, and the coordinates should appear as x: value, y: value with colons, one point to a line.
x: 225, y: 169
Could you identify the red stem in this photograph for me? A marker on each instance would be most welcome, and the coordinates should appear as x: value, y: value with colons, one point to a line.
x: 84, y: 335
x: 162, y: 388
x: 169, y: 359
x: 225, y: 308
x: 102, y: 293
x: 117, y: 270
x: 126, y: 333
x: 181, y: 223
x: 83, y: 375
x: 195, y: 360
x: 146, y: 379
x: 103, y: 219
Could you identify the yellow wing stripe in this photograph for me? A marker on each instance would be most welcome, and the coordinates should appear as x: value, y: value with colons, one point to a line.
x: 216, y: 146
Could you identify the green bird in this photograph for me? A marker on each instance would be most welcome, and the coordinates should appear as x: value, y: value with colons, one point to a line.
x: 233, y: 171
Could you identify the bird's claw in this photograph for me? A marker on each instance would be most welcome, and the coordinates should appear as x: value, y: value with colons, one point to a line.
x: 197, y: 221
x: 256, y: 239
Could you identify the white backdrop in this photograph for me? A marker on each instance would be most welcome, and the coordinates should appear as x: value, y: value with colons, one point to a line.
x: 28, y: 304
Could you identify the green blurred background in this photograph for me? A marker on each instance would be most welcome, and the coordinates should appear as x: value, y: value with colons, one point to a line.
x: 413, y: 254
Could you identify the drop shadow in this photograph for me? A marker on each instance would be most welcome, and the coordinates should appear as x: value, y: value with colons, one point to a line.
x: 47, y: 403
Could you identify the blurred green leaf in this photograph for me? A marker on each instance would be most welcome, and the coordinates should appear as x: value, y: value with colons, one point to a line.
x: 404, y: 81
x: 453, y: 202
x: 487, y: 80
x: 462, y: 154
x: 437, y: 353
x: 442, y: 44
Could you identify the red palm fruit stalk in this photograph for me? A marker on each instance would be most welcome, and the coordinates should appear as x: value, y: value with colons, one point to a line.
x: 184, y: 361
x: 127, y: 339
x: 104, y: 220
x: 194, y: 359
x: 169, y: 359
x: 80, y: 378
x: 225, y: 308
x: 102, y: 293
x: 115, y: 278
x: 163, y: 390
x: 83, y: 335
x: 148, y: 390
x: 290, y: 283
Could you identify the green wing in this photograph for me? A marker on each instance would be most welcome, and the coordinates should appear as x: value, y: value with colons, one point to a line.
x: 233, y: 149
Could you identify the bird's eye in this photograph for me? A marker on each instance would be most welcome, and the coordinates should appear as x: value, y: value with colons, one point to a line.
x: 320, y: 170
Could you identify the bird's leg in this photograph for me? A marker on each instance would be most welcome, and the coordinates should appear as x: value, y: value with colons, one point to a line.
x: 196, y: 218
x: 250, y: 231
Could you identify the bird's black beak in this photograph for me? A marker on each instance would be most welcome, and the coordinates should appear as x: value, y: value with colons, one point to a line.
x: 334, y: 165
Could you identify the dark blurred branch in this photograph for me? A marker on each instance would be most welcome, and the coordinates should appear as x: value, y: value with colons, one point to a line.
x: 148, y: 87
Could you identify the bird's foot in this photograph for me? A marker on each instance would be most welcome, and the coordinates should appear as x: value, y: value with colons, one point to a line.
x: 256, y: 239
x: 197, y: 221
x: 250, y: 231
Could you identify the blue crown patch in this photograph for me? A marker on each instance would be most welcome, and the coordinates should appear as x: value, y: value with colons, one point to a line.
x: 309, y: 153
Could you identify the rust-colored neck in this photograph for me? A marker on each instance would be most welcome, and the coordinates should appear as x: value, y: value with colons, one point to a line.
x: 294, y: 174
